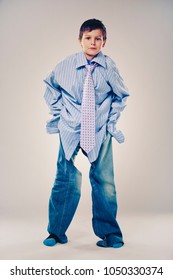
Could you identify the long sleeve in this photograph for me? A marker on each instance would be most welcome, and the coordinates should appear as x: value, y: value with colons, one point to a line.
x: 53, y: 99
x: 120, y: 94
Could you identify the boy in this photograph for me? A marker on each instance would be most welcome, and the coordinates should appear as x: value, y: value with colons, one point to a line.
x: 85, y: 94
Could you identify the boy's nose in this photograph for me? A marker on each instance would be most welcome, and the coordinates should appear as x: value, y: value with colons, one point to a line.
x: 93, y: 42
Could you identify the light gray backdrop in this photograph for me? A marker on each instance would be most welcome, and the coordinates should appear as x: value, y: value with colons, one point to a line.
x: 37, y: 34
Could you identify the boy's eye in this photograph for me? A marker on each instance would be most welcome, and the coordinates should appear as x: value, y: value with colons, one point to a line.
x: 89, y: 38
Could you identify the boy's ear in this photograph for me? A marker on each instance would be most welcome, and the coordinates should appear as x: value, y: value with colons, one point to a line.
x: 80, y: 42
x: 104, y: 42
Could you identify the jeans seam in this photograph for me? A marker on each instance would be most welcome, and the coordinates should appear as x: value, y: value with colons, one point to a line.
x: 63, y: 211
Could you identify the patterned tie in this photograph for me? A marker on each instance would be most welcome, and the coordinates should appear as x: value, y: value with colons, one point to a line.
x: 87, y: 134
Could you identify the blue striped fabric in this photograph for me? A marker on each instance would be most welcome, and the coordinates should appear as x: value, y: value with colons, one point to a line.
x: 63, y: 95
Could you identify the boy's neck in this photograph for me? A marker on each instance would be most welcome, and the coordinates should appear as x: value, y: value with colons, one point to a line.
x: 90, y: 58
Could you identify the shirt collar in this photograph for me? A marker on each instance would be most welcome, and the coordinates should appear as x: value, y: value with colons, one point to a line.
x: 99, y: 58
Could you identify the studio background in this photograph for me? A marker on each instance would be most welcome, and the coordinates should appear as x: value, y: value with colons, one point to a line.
x: 35, y: 36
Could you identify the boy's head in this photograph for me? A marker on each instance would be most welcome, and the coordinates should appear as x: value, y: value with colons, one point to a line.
x: 92, y: 24
x: 92, y: 37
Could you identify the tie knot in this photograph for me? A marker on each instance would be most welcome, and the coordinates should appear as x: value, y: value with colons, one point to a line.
x: 90, y: 67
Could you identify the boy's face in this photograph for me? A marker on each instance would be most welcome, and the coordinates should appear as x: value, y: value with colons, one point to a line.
x: 92, y: 42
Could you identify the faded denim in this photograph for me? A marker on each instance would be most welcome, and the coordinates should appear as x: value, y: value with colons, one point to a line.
x: 66, y: 193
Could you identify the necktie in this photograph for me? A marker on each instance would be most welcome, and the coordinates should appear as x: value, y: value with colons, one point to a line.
x: 87, y: 134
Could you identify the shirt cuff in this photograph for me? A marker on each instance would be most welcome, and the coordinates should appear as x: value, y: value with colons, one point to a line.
x: 117, y: 134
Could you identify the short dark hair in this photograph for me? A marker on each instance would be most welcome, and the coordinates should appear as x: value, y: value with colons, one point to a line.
x: 92, y: 24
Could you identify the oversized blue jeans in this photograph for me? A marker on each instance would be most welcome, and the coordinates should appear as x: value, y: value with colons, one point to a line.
x: 66, y: 192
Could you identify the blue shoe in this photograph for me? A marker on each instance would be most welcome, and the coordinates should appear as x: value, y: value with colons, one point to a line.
x: 52, y: 240
x: 110, y: 241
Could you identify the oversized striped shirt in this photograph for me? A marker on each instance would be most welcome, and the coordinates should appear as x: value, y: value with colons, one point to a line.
x: 63, y: 94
